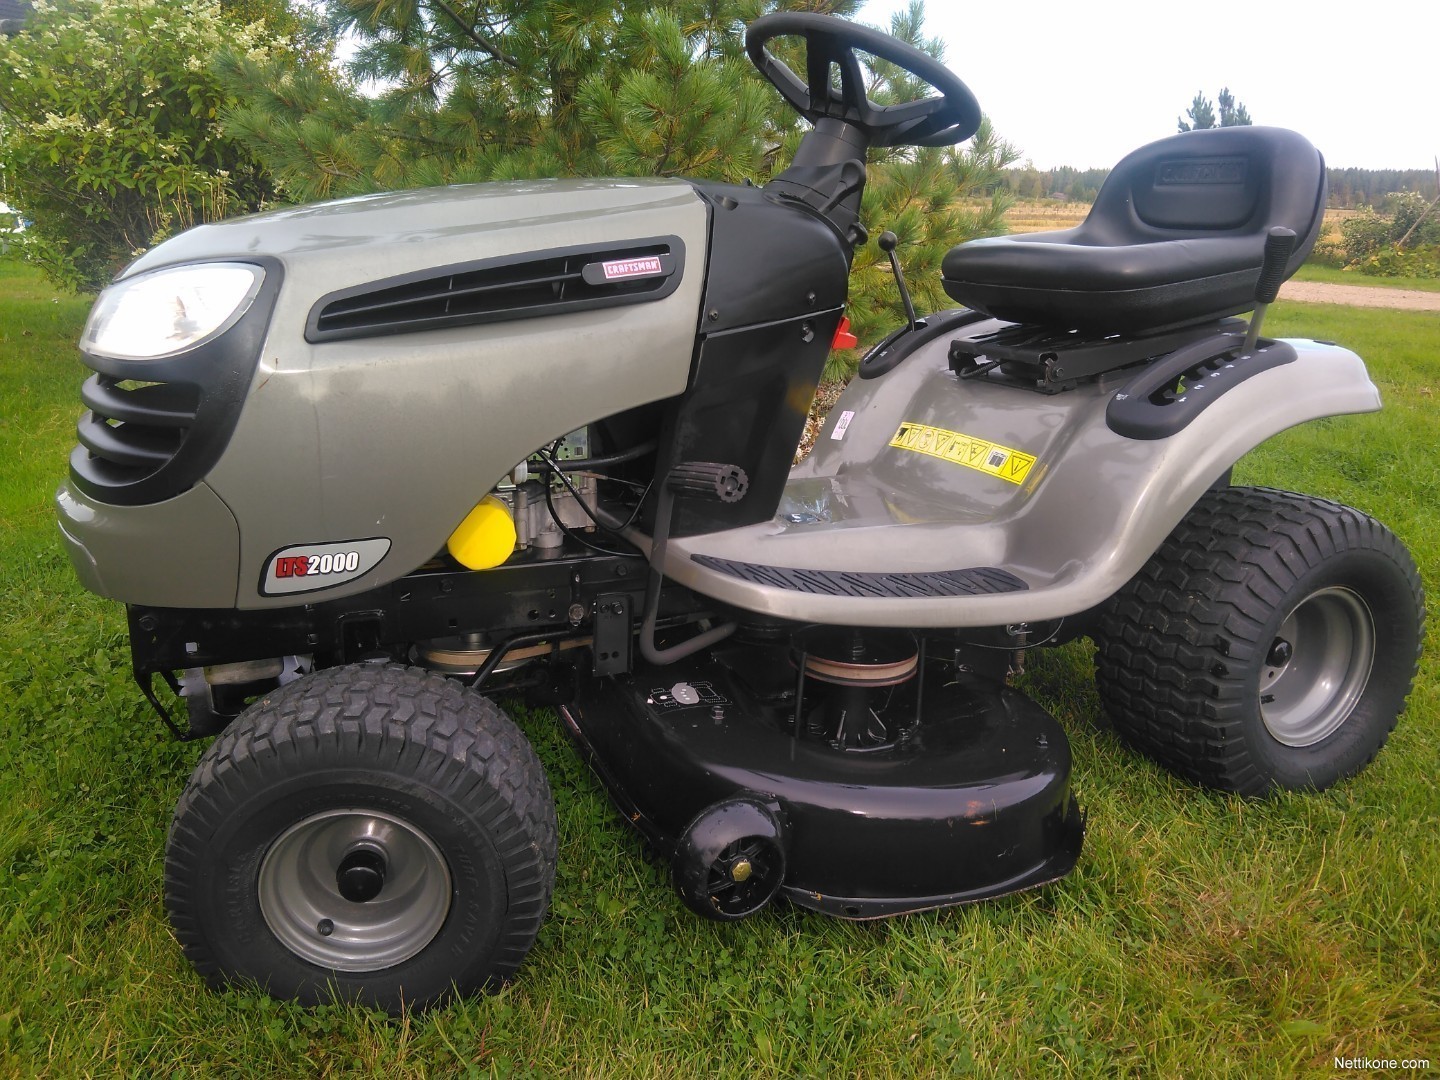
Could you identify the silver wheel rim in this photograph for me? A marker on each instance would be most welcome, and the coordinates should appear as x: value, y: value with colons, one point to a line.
x: 1317, y: 667
x: 302, y: 904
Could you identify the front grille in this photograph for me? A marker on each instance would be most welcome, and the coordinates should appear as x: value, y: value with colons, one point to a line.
x: 497, y: 290
x: 131, y: 430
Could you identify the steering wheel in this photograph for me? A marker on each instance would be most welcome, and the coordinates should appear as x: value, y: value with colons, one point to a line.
x: 935, y: 121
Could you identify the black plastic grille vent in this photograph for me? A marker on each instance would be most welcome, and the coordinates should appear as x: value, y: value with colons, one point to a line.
x: 496, y: 290
x: 131, y: 430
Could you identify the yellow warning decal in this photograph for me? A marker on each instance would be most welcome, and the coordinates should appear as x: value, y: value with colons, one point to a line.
x: 973, y: 453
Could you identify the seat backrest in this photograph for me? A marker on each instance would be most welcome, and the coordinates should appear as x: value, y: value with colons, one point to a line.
x: 1221, y: 181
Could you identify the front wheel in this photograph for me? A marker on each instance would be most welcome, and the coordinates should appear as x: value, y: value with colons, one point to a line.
x: 371, y: 833
x: 1269, y: 644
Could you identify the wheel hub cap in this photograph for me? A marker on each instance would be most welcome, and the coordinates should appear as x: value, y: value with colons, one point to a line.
x: 354, y: 890
x: 1317, y: 667
x: 361, y: 875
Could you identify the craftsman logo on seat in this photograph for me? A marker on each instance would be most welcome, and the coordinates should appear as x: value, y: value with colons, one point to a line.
x: 618, y: 269
x: 1201, y: 171
x: 979, y: 454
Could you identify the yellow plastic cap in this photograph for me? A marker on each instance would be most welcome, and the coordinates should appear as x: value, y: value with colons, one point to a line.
x: 486, y: 537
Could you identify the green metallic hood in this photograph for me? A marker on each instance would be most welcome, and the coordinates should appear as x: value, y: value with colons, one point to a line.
x: 374, y: 236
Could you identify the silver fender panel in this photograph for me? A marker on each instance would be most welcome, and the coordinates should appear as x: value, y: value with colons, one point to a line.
x: 1088, y: 513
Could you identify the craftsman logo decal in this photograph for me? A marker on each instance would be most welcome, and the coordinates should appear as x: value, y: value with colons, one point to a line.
x: 308, y: 567
x: 1190, y: 171
x: 619, y: 269
x: 979, y: 454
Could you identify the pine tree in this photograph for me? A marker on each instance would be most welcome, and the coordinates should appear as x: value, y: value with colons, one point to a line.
x: 1202, y: 113
x: 1232, y: 113
x: 515, y: 89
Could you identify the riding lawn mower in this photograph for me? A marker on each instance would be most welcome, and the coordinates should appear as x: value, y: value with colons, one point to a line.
x: 359, y: 469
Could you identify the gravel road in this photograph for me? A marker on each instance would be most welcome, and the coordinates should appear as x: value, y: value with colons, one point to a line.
x: 1320, y: 292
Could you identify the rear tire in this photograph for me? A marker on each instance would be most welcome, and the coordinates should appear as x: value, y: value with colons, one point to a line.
x: 1269, y: 644
x: 372, y: 833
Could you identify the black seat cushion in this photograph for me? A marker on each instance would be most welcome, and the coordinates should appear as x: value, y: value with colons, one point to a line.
x: 1176, y: 235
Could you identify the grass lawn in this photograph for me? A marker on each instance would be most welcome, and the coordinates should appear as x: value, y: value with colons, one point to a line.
x: 1335, y: 276
x: 1200, y: 935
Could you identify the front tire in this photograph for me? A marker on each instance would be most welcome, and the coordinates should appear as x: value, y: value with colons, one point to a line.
x: 1269, y: 644
x: 372, y: 833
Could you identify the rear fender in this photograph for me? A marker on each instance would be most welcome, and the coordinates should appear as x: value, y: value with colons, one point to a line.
x: 1085, y: 514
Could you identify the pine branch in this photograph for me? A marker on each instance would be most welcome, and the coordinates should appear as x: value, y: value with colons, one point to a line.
x: 480, y: 40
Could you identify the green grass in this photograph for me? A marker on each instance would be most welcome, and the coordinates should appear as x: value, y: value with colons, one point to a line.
x: 1200, y: 935
x: 1333, y: 275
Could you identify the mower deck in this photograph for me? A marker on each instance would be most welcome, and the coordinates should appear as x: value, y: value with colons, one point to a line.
x: 908, y: 787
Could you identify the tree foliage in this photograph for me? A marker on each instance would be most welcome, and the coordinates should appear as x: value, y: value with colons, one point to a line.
x: 1202, y: 113
x: 1081, y: 185
x: 445, y: 91
x: 1351, y: 188
x: 1403, y: 239
x: 111, y: 129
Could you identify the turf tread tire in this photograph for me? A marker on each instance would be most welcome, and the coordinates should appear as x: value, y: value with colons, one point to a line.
x: 1179, y: 648
x: 381, y: 720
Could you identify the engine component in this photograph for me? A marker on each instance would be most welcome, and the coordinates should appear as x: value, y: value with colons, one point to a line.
x: 539, y: 521
x: 486, y: 538
x: 535, y: 524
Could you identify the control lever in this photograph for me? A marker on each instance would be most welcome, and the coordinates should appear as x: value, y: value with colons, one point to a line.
x: 887, y: 242
x: 1278, y: 246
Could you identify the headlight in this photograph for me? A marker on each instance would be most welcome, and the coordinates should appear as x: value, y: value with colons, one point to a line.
x: 168, y: 311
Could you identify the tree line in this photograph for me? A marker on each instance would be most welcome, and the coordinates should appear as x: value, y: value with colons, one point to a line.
x: 1352, y: 188
x: 1028, y: 182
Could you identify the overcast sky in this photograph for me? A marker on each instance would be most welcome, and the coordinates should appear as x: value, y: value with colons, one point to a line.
x: 1082, y: 85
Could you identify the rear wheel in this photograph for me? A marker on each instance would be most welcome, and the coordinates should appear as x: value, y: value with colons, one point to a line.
x: 373, y: 833
x: 1269, y: 644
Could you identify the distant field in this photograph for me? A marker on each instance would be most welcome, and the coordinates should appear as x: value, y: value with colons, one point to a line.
x: 1041, y: 215
x: 1038, y: 215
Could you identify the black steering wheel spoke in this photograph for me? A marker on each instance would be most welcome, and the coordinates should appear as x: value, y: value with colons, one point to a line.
x: 832, y: 43
x: 915, y: 122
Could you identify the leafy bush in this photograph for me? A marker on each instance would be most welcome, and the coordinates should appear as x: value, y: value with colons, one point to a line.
x: 1363, y: 235
x: 1369, y: 241
x: 112, y: 136
x: 1390, y: 262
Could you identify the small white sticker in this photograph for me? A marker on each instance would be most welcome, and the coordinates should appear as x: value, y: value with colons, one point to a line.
x: 843, y: 424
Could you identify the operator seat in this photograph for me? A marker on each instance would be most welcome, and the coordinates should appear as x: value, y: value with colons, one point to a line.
x: 1176, y: 236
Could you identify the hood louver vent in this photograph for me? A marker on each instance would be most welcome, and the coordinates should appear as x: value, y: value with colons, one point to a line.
x: 525, y: 286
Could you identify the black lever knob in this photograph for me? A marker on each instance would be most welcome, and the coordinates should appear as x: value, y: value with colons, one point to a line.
x: 711, y: 480
x: 1278, y: 246
x: 888, y: 242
